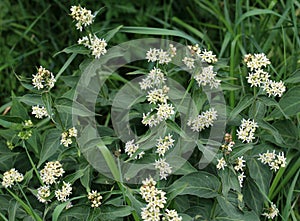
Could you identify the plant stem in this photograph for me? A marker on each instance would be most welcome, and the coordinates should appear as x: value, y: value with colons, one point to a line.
x: 32, y: 163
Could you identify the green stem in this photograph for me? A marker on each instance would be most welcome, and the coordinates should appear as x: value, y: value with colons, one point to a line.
x: 32, y: 163
x: 27, y: 207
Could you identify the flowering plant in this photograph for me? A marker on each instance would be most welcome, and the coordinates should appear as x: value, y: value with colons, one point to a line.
x: 166, y: 138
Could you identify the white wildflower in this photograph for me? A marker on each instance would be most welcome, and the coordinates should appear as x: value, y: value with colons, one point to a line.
x: 11, y: 177
x: 240, y: 164
x: 63, y: 193
x: 205, y: 119
x: 51, y: 172
x: 246, y: 130
x: 83, y: 16
x: 43, y: 193
x: 39, y: 112
x: 189, y: 62
x: 163, y: 167
x: 164, y: 144
x: 95, y: 198
x: 271, y: 212
x: 241, y: 179
x: 207, y: 77
x: 221, y: 164
x: 95, y: 44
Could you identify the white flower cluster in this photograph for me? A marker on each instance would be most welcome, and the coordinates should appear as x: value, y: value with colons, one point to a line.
x: 82, y: 16
x: 39, y: 112
x: 63, y: 193
x: 259, y: 78
x: 196, y: 53
x: 66, y: 137
x: 239, y: 166
x: 156, y: 201
x: 207, y: 76
x: 221, y: 164
x: 51, y: 172
x: 246, y: 130
x: 43, y: 79
x: 164, y: 144
x: 239, y: 163
x: 228, y: 144
x: 131, y: 148
x: 205, y: 119
x: 11, y: 177
x: 95, y: 198
x: 49, y: 175
x: 158, y: 96
x: 163, y: 57
x: 155, y: 78
x: 275, y: 161
x: 95, y: 44
x: 271, y: 212
x: 44, y: 193
x: 163, y: 167
x: 171, y: 215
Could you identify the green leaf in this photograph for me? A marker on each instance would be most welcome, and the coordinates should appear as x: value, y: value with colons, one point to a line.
x: 242, y: 105
x: 271, y: 130
x: 50, y: 146
x: 229, y: 181
x: 109, y: 35
x: 18, y: 110
x: 9, y: 121
x: 260, y: 173
x: 201, y: 184
x: 59, y: 208
x: 157, y: 31
x: 253, y: 197
x: 76, y: 49
x: 289, y: 132
x: 289, y: 103
x: 75, y: 176
x: 111, y: 213
x: 294, y: 78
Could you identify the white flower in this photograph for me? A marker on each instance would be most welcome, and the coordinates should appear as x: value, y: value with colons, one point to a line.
x: 246, y: 130
x: 164, y: 144
x: 39, y: 112
x: 189, y: 62
x: 43, y: 193
x: 257, y: 61
x: 239, y: 164
x: 164, y: 111
x: 241, y: 179
x: 95, y: 198
x: 51, y: 172
x: 258, y: 78
x: 273, y: 160
x: 67, y: 135
x: 158, y: 95
x: 195, y: 50
x: 221, y: 164
x: 63, y: 193
x: 43, y: 79
x: 163, y: 57
x: 172, y: 215
x: 95, y: 44
x: 205, y: 119
x: 271, y: 212
x: 83, y: 16
x: 274, y: 88
x: 11, y: 177
x: 163, y: 167
x: 131, y: 148
x: 155, y: 78
x: 208, y: 56
x: 207, y: 77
